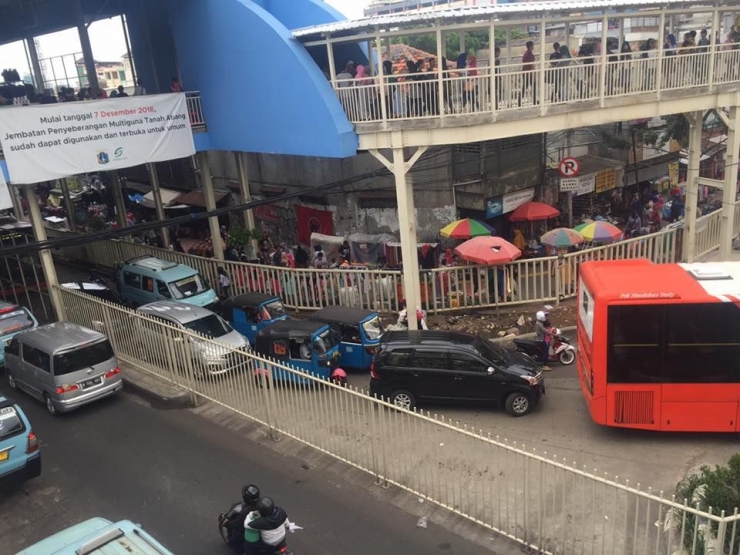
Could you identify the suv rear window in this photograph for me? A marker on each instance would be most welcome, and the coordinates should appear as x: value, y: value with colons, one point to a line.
x: 83, y: 358
x: 10, y: 423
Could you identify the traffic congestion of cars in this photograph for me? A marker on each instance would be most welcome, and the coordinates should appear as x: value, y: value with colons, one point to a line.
x: 66, y: 366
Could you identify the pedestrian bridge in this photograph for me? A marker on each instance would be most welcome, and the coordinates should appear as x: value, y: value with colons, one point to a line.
x: 619, y: 69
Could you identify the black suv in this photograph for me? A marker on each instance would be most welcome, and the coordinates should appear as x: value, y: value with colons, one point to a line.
x: 434, y: 366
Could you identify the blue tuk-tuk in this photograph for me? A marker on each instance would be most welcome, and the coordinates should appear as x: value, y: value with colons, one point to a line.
x: 308, y: 346
x: 250, y: 312
x: 356, y: 330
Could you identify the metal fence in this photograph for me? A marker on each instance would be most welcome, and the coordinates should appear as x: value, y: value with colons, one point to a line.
x: 537, y: 499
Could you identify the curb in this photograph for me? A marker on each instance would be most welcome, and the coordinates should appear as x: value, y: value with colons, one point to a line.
x: 182, y: 400
x: 526, y: 335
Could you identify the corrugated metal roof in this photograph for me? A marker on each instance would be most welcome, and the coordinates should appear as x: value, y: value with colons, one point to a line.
x: 473, y: 12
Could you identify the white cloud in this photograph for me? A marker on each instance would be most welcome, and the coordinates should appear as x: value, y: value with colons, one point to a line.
x: 353, y: 9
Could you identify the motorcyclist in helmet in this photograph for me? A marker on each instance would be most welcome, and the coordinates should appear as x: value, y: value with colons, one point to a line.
x: 235, y: 518
x: 540, y: 334
x: 271, y: 522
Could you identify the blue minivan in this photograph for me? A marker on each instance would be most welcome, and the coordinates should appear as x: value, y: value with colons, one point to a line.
x: 146, y: 279
x: 20, y: 458
x: 13, y: 319
x: 98, y: 536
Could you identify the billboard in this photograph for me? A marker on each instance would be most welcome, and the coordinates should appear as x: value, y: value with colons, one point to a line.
x: 52, y: 141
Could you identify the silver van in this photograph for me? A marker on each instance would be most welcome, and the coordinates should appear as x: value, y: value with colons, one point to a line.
x: 63, y: 364
x: 207, y: 358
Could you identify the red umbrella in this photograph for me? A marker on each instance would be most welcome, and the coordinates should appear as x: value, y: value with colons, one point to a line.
x: 532, y: 211
x: 488, y: 251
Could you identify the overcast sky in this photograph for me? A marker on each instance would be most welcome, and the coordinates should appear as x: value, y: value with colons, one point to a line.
x: 108, y: 43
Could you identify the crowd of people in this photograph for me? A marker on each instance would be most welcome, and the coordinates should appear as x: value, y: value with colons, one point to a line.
x: 413, y: 90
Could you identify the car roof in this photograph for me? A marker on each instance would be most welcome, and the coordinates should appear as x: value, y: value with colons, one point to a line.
x: 341, y: 315
x: 162, y: 268
x: 249, y: 300
x: 427, y: 337
x: 175, y: 311
x: 59, y: 336
x: 85, y: 286
x: 6, y: 305
x: 290, y: 329
x: 96, y: 536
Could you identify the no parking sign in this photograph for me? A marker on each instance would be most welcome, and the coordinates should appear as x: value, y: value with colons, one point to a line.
x: 569, y: 167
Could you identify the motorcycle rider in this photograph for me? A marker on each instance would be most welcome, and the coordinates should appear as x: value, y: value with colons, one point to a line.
x: 235, y: 520
x: 540, y: 335
x: 271, y: 522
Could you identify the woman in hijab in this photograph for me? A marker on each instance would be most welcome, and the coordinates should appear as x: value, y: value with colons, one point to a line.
x: 472, y: 86
x: 460, y: 85
x: 625, y: 59
x: 565, y: 81
x: 364, y: 92
x: 412, y: 94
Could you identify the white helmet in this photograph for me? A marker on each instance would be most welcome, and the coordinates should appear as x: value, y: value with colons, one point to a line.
x: 540, y: 316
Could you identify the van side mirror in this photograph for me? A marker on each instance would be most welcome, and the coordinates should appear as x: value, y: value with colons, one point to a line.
x: 491, y: 370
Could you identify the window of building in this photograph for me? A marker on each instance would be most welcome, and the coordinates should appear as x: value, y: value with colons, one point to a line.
x: 634, y: 352
x: 122, y: 75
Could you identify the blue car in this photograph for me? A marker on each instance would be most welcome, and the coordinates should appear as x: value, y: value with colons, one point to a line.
x: 20, y: 459
x: 13, y: 319
x: 356, y: 330
x: 98, y: 536
x: 250, y: 312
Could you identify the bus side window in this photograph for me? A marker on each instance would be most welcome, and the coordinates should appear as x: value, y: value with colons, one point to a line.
x: 635, y: 353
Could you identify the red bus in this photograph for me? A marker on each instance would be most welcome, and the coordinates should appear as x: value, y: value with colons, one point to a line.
x: 659, y: 344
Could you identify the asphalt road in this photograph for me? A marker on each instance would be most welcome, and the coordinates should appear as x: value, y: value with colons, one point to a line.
x: 174, y: 472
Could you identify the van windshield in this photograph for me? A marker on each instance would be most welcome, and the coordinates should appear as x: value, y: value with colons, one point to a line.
x: 272, y: 310
x: 188, y: 287
x: 372, y: 328
x: 82, y: 358
x: 324, y: 342
x: 210, y: 326
x: 10, y: 422
x: 15, y: 321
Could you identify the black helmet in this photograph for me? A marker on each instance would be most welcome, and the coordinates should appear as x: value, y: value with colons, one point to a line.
x: 250, y: 494
x: 265, y: 506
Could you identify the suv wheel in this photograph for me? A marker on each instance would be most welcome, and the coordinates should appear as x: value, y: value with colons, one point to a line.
x: 403, y: 399
x: 518, y: 404
x: 50, y: 405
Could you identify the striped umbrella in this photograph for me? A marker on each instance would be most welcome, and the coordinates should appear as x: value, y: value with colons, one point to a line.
x: 579, y: 227
x: 561, y: 238
x: 600, y: 232
x: 466, y: 229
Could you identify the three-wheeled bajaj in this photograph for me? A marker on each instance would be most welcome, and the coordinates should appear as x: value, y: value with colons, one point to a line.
x: 356, y: 330
x: 250, y: 312
x: 308, y: 346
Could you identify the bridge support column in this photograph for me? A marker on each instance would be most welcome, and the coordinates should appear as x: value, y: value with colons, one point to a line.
x: 729, y: 196
x: 407, y: 226
x: 117, y: 191
x: 47, y: 264
x: 87, y: 53
x: 38, y: 75
x: 696, y: 124
x: 158, y: 206
x: 69, y: 206
x: 246, y: 194
x: 210, y: 198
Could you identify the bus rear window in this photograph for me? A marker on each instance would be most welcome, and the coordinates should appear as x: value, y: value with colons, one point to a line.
x: 12, y: 322
x: 634, y: 345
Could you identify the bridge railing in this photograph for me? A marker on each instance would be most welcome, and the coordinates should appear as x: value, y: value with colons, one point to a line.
x: 542, y: 83
x: 539, y: 500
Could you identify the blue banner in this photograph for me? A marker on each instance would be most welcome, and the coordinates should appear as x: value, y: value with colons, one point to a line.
x: 494, y: 207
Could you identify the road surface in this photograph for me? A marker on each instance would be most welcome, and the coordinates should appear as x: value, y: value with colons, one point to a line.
x: 174, y: 472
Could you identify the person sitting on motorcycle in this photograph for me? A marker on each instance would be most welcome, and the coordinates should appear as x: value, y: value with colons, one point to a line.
x: 540, y: 335
x: 271, y: 522
x: 235, y: 521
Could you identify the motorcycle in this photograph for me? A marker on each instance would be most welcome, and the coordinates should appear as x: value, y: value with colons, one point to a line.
x: 237, y: 542
x: 560, y: 351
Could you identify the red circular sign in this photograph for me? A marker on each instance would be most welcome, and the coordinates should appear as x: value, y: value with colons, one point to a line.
x: 569, y: 167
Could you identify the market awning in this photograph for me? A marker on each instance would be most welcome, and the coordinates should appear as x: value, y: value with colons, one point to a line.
x: 197, y: 198
x: 169, y: 197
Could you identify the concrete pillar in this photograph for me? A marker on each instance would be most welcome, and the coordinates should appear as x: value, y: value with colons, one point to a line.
x: 38, y: 75
x: 87, y: 53
x: 729, y: 196
x: 207, y: 181
x: 117, y: 191
x: 47, y: 264
x: 69, y: 206
x: 407, y: 226
x: 158, y: 206
x: 17, y: 205
x: 692, y: 184
x: 243, y: 172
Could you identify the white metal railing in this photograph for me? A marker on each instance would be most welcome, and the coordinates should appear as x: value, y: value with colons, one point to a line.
x: 442, y: 289
x: 541, y: 501
x: 451, y: 92
x: 195, y: 110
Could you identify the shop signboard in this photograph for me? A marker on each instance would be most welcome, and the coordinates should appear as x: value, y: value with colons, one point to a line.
x: 5, y: 200
x: 54, y: 141
x: 568, y: 184
x: 585, y: 184
x: 514, y: 200
x: 605, y: 180
x: 494, y: 207
x: 673, y: 173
